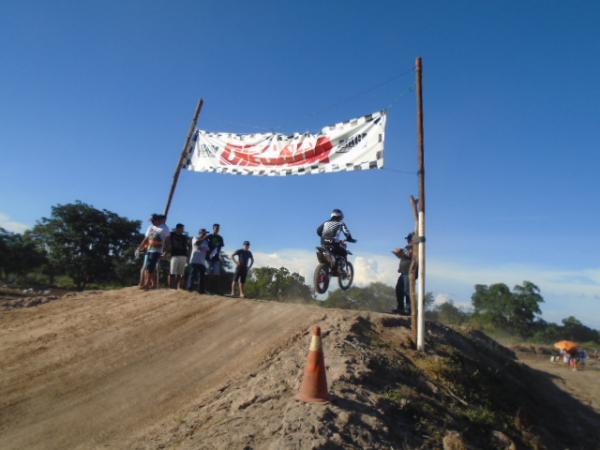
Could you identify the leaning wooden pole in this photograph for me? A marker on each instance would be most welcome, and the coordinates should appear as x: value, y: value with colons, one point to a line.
x: 421, y: 217
x: 183, y: 154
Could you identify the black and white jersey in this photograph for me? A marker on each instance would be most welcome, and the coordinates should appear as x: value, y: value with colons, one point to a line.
x: 331, y: 229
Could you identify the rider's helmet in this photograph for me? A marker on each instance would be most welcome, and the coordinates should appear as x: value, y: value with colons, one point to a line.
x: 337, y: 214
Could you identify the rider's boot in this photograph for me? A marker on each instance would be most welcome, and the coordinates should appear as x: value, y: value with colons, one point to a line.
x: 342, y: 266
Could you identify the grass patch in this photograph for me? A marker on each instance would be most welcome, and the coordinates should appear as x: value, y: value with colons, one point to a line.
x: 481, y: 416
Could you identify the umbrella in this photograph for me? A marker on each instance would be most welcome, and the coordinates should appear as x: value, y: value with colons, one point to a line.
x: 566, y: 345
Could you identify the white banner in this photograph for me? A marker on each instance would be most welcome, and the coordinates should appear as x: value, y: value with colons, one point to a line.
x: 353, y: 145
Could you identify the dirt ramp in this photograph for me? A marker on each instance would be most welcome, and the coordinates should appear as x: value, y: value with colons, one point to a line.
x: 89, y: 370
x: 172, y: 370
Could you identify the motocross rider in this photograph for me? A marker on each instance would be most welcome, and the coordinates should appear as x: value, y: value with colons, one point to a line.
x: 329, y: 232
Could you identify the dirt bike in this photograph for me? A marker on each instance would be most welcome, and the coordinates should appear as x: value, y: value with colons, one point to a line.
x: 331, y: 265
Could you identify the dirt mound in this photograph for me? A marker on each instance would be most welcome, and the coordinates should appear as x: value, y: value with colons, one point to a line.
x: 167, y: 369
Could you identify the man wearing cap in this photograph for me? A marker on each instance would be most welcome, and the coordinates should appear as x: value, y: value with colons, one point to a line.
x: 198, y: 261
x: 402, y: 285
x: 244, y: 263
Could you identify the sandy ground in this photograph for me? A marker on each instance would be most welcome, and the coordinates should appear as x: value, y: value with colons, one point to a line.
x: 128, y: 369
x: 582, y: 384
x: 89, y: 370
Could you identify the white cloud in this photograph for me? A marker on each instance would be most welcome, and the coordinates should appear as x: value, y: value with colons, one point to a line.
x: 440, y: 299
x: 579, y: 283
x: 443, y: 297
x: 367, y: 268
x: 301, y: 261
x: 8, y: 224
x: 566, y: 292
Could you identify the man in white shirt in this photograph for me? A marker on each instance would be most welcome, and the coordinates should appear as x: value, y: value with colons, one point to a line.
x: 200, y: 249
x: 153, y: 244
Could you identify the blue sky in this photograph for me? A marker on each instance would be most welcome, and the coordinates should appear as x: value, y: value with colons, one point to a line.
x: 96, y: 99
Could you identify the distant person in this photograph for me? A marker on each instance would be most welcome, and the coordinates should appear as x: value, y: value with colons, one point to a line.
x: 153, y: 244
x: 215, y: 245
x: 244, y: 263
x: 402, y: 285
x: 330, y: 232
x: 581, y: 357
x: 198, y: 262
x: 178, y: 245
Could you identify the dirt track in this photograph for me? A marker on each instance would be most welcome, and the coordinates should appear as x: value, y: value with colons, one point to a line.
x: 133, y: 370
x: 582, y: 384
x: 90, y: 370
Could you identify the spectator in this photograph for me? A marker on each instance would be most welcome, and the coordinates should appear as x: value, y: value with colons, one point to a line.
x: 153, y: 243
x: 215, y: 244
x: 402, y: 285
x: 178, y: 246
x: 243, y: 265
x: 198, y: 262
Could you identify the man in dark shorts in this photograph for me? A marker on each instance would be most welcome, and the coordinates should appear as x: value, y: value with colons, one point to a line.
x: 244, y: 262
x: 198, y: 261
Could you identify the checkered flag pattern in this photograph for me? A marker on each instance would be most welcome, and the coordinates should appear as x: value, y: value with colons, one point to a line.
x: 347, y: 146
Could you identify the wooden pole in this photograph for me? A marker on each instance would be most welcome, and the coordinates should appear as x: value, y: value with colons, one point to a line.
x: 412, y: 273
x: 421, y: 217
x: 183, y: 154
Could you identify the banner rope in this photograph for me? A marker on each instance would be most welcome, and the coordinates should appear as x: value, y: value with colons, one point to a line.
x: 395, y: 101
x: 403, y: 172
x: 365, y: 91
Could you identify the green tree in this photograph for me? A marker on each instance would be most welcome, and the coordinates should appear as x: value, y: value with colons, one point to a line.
x: 429, y: 301
x: 277, y: 284
x: 18, y: 254
x: 374, y: 297
x: 88, y: 244
x: 573, y: 329
x: 449, y: 314
x: 514, y: 311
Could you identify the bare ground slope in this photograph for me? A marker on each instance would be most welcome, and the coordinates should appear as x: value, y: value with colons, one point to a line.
x: 89, y: 369
x: 582, y: 384
x: 129, y: 369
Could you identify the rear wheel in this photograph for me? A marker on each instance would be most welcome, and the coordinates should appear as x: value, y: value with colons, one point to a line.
x: 321, y: 278
x: 345, y: 281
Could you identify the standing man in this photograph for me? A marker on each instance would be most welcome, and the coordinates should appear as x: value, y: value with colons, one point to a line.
x: 198, y: 262
x: 244, y: 256
x: 178, y: 245
x: 402, y: 286
x: 215, y: 245
x: 153, y: 243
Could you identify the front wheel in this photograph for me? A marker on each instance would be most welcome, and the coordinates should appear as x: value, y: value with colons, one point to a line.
x: 321, y: 278
x: 345, y: 281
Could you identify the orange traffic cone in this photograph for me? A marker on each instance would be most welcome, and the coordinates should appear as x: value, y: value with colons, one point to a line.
x: 314, y: 384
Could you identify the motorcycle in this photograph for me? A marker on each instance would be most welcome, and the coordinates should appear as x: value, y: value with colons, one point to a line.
x: 331, y: 265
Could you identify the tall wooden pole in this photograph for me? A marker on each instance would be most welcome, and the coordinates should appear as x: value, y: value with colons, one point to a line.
x: 421, y: 217
x: 183, y: 154
x: 412, y: 271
